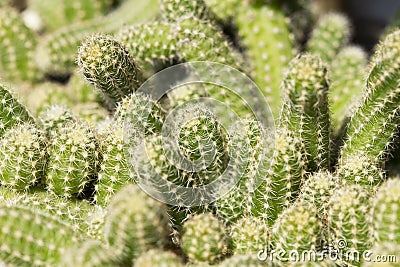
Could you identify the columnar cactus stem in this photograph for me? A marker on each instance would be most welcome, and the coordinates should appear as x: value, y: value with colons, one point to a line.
x: 280, y: 185
x: 249, y: 235
x: 298, y: 228
x: 22, y: 156
x: 204, y: 238
x: 331, y: 33
x: 174, y: 10
x: 375, y: 120
x: 107, y: 65
x: 73, y: 159
x: 305, y: 108
x: 347, y: 77
x: 386, y: 212
x: 31, y: 238
x: 134, y: 224
x: 12, y: 112
x: 114, y: 171
x: 17, y: 43
x: 349, y: 220
x: 55, y: 117
x: 267, y: 57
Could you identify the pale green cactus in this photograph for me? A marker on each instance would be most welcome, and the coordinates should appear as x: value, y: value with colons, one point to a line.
x: 12, y: 112
x: 17, y: 43
x: 249, y: 235
x: 32, y: 238
x: 331, y: 33
x: 23, y: 157
x: 268, y: 57
x: 107, y: 65
x: 305, y: 108
x: 386, y: 212
x: 73, y: 159
x: 134, y: 224
x: 204, y: 239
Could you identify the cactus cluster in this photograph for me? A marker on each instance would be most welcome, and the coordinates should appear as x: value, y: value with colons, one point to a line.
x: 101, y: 164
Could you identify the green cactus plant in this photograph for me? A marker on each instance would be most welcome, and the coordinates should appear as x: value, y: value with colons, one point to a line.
x: 114, y: 171
x: 18, y: 44
x: 249, y: 235
x: 350, y: 222
x: 31, y: 238
x: 204, y: 239
x: 12, y: 112
x: 331, y: 33
x: 268, y: 58
x: 73, y: 159
x: 23, y: 157
x: 107, y: 65
x: 134, y: 224
x: 373, y: 124
x: 386, y: 211
x: 305, y: 108
x: 91, y: 253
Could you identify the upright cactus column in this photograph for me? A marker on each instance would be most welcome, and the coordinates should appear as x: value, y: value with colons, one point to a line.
x: 375, y: 120
x: 17, y: 43
x: 22, y: 157
x: 12, y: 112
x: 268, y: 56
x: 305, y: 108
x: 204, y: 239
x: 331, y: 33
x: 349, y: 220
x: 30, y: 238
x: 107, y: 65
x: 386, y: 212
x: 134, y: 224
x: 73, y: 159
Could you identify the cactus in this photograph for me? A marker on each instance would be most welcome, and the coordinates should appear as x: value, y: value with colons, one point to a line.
x: 73, y: 159
x: 31, y: 238
x: 183, y: 41
x: 55, y: 117
x: 107, y: 65
x: 350, y: 221
x: 281, y: 184
x: 204, y: 238
x: 383, y: 254
x: 331, y: 33
x: 269, y: 58
x: 297, y: 228
x: 91, y: 253
x: 386, y: 212
x: 56, y: 14
x: 158, y: 258
x: 305, y: 108
x: 318, y: 189
x: 22, y: 157
x: 55, y: 54
x: 134, y: 224
x: 361, y: 170
x: 373, y: 124
x: 12, y: 112
x: 114, y: 170
x: 347, y: 77
x: 175, y: 10
x: 248, y: 260
x: 18, y: 44
x: 249, y: 235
